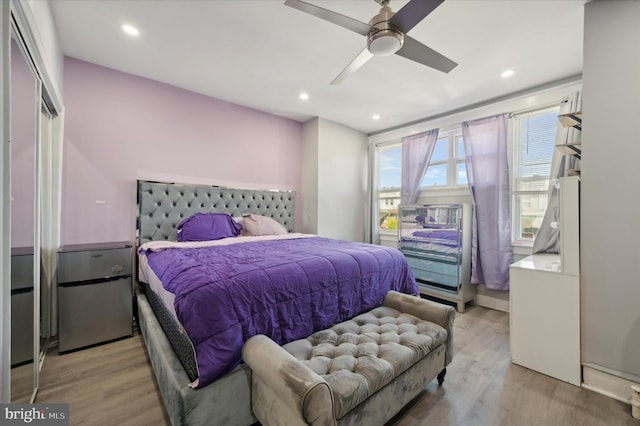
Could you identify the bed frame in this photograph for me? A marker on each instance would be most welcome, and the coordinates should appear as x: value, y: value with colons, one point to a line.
x: 161, y: 206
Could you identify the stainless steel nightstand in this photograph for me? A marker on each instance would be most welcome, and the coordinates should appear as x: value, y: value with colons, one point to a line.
x: 95, y: 294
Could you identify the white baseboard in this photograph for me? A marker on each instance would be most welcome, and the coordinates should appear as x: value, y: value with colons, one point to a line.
x: 606, y: 381
x: 492, y: 303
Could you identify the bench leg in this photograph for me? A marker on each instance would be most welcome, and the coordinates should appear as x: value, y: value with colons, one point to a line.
x: 441, y: 376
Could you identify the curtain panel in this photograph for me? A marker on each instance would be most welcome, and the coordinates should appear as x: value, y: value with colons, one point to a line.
x: 416, y: 153
x: 485, y: 143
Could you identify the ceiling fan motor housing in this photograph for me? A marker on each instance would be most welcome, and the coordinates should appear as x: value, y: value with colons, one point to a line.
x: 385, y: 38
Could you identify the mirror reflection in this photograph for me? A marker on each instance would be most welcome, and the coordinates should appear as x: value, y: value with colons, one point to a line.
x: 25, y: 105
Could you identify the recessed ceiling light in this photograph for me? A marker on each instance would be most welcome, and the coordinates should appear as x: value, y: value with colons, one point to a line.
x: 130, y: 29
x: 303, y: 96
x: 506, y: 73
x: 375, y: 117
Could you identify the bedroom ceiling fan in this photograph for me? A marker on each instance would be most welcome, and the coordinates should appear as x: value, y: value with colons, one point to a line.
x: 386, y: 34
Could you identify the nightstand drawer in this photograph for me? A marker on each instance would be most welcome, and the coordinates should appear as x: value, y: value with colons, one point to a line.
x: 21, y: 268
x: 75, y: 266
x: 94, y: 313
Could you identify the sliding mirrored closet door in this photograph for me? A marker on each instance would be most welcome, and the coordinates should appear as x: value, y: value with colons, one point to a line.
x: 25, y: 95
x: 50, y: 157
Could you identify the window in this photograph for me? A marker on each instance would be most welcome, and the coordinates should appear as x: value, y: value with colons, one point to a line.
x: 535, y: 135
x: 461, y: 167
x: 446, y: 170
x: 447, y: 167
x: 389, y: 181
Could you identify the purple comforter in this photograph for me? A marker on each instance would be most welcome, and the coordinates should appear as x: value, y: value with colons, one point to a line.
x: 286, y: 289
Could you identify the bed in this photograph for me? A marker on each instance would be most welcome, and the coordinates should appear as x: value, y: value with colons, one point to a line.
x: 283, y: 284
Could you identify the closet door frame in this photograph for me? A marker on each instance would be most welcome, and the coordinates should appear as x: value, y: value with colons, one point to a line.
x: 19, y: 11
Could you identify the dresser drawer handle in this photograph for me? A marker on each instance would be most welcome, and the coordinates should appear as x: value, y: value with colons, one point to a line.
x: 97, y: 255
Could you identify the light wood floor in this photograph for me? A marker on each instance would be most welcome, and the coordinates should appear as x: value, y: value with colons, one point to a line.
x: 113, y: 384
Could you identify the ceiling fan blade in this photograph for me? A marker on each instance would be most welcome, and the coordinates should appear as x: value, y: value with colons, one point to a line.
x: 413, y: 12
x: 333, y: 17
x: 358, y: 62
x: 418, y: 52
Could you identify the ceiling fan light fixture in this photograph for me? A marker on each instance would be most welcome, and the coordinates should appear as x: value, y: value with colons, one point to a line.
x: 385, y: 42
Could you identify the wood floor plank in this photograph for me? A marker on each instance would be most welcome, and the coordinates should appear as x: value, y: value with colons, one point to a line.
x: 113, y: 384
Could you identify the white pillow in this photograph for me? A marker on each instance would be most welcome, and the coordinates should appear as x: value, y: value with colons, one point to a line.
x: 254, y: 225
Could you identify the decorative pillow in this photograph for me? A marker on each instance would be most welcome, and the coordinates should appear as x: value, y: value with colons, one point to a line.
x: 240, y: 220
x: 261, y: 225
x: 208, y: 226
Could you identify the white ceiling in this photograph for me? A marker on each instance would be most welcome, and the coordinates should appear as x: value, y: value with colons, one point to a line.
x: 262, y: 54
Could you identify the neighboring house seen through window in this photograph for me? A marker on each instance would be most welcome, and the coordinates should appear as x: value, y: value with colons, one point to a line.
x: 389, y: 181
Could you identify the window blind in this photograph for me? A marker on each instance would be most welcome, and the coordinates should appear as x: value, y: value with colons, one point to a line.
x: 537, y: 134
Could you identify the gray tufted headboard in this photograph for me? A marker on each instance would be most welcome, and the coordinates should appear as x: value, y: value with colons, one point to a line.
x: 161, y: 206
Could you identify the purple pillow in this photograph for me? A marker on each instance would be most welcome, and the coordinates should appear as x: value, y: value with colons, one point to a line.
x: 208, y: 226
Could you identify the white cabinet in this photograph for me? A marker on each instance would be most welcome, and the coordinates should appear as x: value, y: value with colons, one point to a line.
x: 545, y: 300
x: 545, y: 317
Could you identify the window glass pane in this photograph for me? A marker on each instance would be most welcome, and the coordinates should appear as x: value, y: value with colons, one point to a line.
x: 531, y: 209
x: 440, y: 151
x: 390, y: 180
x: 459, y: 147
x: 390, y: 167
x: 532, y: 184
x: 535, y: 145
x: 436, y: 175
x: 537, y: 141
x: 388, y: 202
x: 461, y: 174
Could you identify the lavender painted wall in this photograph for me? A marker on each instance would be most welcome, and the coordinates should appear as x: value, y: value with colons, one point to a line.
x: 119, y: 128
x: 24, y: 109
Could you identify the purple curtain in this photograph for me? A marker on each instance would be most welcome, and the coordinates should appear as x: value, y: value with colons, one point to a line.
x: 416, y: 153
x: 485, y: 144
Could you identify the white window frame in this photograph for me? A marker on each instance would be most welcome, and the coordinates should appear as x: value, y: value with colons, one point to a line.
x: 516, y: 212
x: 452, y: 161
x: 458, y: 160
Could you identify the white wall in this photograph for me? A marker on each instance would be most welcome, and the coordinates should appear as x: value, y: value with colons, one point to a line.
x: 309, y: 194
x: 334, y: 180
x: 342, y: 182
x: 610, y: 194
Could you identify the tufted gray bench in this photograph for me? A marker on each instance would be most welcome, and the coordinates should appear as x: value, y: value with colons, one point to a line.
x: 360, y: 371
